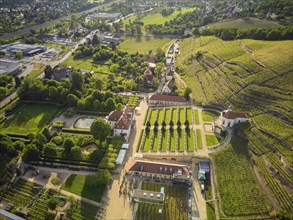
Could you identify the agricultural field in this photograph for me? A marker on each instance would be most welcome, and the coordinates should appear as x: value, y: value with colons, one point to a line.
x: 29, y: 118
x: 144, y: 44
x: 255, y: 77
x: 78, y: 184
x: 174, y: 196
x: 245, y: 23
x: 233, y: 169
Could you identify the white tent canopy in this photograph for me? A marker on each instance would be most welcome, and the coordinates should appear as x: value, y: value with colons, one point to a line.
x: 120, y: 157
x: 125, y: 146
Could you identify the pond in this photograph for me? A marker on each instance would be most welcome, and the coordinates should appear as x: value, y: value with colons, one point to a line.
x: 84, y: 123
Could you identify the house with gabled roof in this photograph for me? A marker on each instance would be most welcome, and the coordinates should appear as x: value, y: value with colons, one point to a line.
x: 230, y: 118
x: 168, y: 87
x: 121, y: 121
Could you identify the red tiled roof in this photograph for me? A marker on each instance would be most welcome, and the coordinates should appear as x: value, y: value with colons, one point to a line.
x: 170, y: 84
x: 125, y: 118
x: 115, y: 115
x: 233, y: 115
x: 167, y: 98
x: 159, y: 168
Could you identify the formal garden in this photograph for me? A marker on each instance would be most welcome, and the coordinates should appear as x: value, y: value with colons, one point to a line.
x: 175, y: 204
x: 177, y: 130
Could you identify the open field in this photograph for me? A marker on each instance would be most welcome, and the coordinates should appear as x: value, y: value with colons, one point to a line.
x: 211, y: 140
x: 78, y: 184
x: 29, y: 119
x: 174, y: 196
x: 143, y: 44
x: 156, y: 17
x: 244, y: 23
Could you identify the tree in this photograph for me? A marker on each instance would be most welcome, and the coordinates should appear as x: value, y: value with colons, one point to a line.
x: 72, y: 99
x: 50, y: 150
x: 163, y: 124
x: 31, y: 153
x: 156, y: 124
x: 187, y: 92
x: 77, y: 81
x: 186, y: 123
x: 48, y: 72
x: 100, y: 129
x: 110, y: 104
x: 179, y: 123
x: 171, y: 123
x: 148, y: 124
x: 95, y: 40
x: 18, y: 55
x: 76, y: 153
x: 52, y: 203
x: 68, y: 144
x: 102, y: 177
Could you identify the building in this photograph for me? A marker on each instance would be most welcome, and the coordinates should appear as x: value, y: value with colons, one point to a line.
x: 168, y: 87
x: 148, y: 196
x: 121, y: 121
x: 8, y: 215
x: 169, y: 73
x: 9, y: 67
x: 149, y: 77
x: 230, y: 118
x: 26, y: 49
x: 176, y: 172
x: 167, y: 100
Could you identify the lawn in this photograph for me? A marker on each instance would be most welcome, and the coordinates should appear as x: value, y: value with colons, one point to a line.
x: 156, y: 140
x: 174, y: 116
x: 190, y: 140
x: 153, y: 116
x: 211, y: 140
x: 164, y: 141
x: 182, y: 115
x: 189, y: 115
x: 148, y: 137
x: 198, y: 138
x: 172, y: 141
x: 196, y: 117
x: 239, y: 191
x: 160, y: 116
x: 181, y: 134
x: 245, y: 23
x: 88, y: 64
x: 167, y: 115
x: 207, y: 116
x: 78, y: 184
x: 30, y: 118
x: 175, y: 195
x: 143, y: 44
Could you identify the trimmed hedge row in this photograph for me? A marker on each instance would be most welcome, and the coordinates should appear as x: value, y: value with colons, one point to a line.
x: 95, y: 113
x: 75, y: 131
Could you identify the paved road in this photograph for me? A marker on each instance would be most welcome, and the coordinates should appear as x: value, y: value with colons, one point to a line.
x: 26, y: 30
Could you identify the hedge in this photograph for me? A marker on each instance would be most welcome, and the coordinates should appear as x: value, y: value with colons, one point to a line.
x: 75, y: 131
x: 95, y: 113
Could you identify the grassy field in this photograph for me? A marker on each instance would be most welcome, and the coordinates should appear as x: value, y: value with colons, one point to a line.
x: 78, y: 185
x: 233, y: 170
x: 156, y: 17
x: 143, y: 44
x: 174, y: 196
x: 245, y: 23
x: 88, y: 64
x: 207, y: 117
x: 30, y: 118
x: 198, y: 138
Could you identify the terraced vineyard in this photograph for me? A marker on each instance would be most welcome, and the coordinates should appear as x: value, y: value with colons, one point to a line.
x: 256, y: 78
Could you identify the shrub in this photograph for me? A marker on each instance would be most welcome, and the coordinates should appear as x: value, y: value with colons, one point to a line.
x: 56, y: 181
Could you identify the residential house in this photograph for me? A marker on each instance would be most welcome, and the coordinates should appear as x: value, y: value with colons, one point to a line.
x: 230, y: 118
x: 166, y: 100
x: 169, y: 73
x: 121, y: 121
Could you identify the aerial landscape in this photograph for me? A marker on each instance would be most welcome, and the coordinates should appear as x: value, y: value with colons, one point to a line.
x: 146, y: 109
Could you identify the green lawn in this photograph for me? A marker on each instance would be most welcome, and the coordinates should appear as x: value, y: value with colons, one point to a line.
x: 173, y: 140
x: 245, y: 23
x: 190, y: 140
x: 198, y: 138
x: 211, y: 140
x: 30, y: 118
x: 196, y: 118
x: 88, y: 64
x: 35, y: 73
x: 164, y: 141
x: 143, y: 44
x: 181, y: 134
x: 147, y: 142
x: 182, y: 115
x: 153, y: 116
x: 167, y: 115
x: 207, y: 117
x: 78, y: 185
x: 156, y: 140
x: 160, y: 116
x: 174, y: 116
x: 189, y: 115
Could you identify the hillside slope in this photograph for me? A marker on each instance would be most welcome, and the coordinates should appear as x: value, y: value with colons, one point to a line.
x: 255, y: 77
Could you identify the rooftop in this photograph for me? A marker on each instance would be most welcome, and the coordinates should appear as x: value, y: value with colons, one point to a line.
x: 167, y: 98
x: 233, y: 115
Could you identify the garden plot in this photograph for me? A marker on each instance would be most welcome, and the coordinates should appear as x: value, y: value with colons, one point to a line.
x: 84, y: 123
x: 175, y: 204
